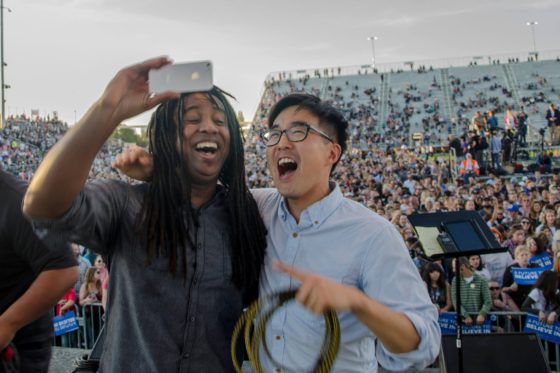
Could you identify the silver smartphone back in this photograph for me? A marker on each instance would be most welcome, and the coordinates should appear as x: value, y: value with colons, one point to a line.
x: 182, y: 77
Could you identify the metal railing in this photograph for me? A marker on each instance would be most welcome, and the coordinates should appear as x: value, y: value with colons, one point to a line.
x: 71, y: 339
x: 93, y: 321
x: 90, y: 321
x: 514, y: 322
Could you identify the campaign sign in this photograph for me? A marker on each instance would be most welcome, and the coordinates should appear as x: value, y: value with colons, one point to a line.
x: 547, y: 332
x: 448, y: 325
x: 65, y: 323
x: 542, y: 260
x: 526, y: 276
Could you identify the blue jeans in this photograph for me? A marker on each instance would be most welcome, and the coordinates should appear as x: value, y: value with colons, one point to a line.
x: 466, y: 176
x: 496, y: 161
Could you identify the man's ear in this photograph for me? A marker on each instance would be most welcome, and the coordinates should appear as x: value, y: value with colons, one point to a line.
x: 334, y: 153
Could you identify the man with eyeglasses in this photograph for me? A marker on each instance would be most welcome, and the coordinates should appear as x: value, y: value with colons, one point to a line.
x: 341, y: 255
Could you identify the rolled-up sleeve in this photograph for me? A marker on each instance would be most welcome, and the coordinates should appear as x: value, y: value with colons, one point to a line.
x: 423, y: 355
x: 391, y: 278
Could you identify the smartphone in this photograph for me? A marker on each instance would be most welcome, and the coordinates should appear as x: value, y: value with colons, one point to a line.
x: 182, y: 77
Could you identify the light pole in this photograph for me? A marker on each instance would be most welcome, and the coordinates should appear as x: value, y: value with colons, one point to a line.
x: 2, y: 62
x: 533, y: 24
x: 372, y: 39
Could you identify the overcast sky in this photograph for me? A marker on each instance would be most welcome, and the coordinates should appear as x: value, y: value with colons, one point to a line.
x: 62, y: 53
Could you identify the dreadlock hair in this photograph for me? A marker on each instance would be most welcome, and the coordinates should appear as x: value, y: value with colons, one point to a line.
x: 168, y: 199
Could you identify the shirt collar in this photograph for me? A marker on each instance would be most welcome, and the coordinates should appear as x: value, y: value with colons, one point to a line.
x: 219, y: 196
x: 317, y: 212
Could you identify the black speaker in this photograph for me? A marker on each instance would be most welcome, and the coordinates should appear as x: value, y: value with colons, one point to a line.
x: 494, y: 353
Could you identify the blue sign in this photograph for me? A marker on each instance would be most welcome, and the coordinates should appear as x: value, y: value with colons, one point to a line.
x: 65, y: 323
x: 547, y: 332
x: 542, y: 260
x: 526, y: 276
x: 448, y: 325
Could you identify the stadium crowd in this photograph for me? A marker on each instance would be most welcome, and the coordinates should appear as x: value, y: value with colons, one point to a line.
x: 25, y: 140
x: 523, y: 212
x: 416, y: 101
x: 396, y: 179
x: 383, y: 171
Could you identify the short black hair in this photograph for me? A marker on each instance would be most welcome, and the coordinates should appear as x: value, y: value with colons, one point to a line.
x: 326, y: 113
x: 464, y: 261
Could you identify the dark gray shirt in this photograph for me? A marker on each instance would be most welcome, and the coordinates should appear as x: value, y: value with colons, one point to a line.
x: 158, y: 322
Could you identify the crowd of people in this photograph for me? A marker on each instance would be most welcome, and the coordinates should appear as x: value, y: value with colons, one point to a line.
x: 523, y: 212
x: 400, y: 181
x: 393, y: 181
x: 89, y: 290
x: 416, y: 104
x: 24, y: 141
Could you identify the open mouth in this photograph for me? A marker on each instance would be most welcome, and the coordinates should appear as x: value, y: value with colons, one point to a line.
x: 286, y: 166
x: 206, y: 147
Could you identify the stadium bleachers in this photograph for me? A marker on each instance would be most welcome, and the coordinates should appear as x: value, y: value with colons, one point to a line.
x: 431, y: 101
x: 24, y: 142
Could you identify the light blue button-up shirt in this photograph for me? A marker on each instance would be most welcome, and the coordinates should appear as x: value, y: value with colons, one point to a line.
x: 347, y: 243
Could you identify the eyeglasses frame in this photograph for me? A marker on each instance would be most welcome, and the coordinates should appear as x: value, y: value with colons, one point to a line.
x: 307, y: 126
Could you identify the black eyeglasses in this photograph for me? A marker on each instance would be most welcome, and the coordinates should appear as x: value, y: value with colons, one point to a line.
x: 494, y: 287
x: 296, y: 133
x: 525, y: 222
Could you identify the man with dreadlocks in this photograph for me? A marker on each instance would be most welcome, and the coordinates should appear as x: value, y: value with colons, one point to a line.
x: 186, y: 249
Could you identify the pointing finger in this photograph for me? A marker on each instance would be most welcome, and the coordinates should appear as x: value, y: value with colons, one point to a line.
x: 292, y: 271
